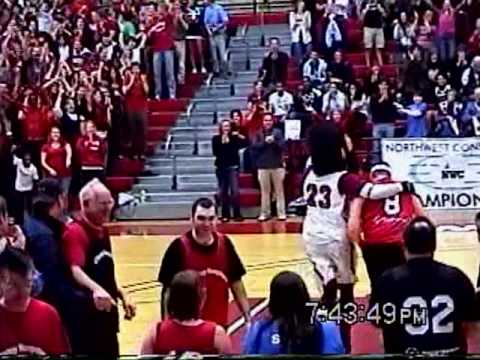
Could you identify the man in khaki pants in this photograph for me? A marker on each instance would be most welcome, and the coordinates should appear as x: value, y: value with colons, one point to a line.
x: 267, y: 148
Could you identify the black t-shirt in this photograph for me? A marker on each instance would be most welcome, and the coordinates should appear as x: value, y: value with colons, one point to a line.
x: 443, y: 298
x: 373, y: 16
x: 173, y: 259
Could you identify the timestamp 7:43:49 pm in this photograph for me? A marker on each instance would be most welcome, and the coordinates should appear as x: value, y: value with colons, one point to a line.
x: 352, y: 313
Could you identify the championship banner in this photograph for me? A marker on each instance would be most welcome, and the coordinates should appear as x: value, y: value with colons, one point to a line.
x: 446, y: 172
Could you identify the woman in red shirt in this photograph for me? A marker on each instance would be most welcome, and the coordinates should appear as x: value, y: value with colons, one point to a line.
x: 56, y: 158
x: 91, y: 151
x: 183, y: 330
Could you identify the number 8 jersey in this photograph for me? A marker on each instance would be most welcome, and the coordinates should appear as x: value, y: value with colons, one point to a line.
x: 326, y: 196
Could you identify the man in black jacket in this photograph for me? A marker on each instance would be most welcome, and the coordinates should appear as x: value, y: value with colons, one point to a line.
x: 275, y: 65
x: 44, y: 231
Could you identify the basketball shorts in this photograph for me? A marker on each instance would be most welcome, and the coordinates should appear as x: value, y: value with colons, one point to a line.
x: 333, y: 261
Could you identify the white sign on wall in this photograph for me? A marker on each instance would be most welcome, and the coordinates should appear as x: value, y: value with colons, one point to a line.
x: 446, y: 172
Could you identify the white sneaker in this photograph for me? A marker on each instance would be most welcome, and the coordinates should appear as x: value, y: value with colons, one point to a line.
x: 194, y: 70
x: 262, y: 218
x: 282, y: 218
x: 204, y: 71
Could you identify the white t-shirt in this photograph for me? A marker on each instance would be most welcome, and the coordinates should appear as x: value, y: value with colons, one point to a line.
x: 25, y: 176
x: 280, y: 104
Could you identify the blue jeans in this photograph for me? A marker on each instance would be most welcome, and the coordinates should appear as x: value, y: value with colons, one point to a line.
x: 446, y: 47
x: 164, y: 59
x: 300, y: 51
x: 381, y: 131
x: 228, y: 191
x: 217, y: 51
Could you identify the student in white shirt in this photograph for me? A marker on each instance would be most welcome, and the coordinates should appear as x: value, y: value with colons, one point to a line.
x: 280, y: 103
x: 25, y: 179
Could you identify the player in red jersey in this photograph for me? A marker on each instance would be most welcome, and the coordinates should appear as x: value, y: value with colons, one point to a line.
x: 378, y: 225
x: 27, y: 326
x: 213, y: 255
x: 183, y: 330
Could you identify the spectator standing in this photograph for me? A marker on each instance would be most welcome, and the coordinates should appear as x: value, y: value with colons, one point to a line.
x: 274, y: 66
x: 196, y: 34
x: 446, y: 31
x: 180, y: 33
x: 383, y: 113
x: 92, y: 154
x: 416, y: 117
x: 471, y: 114
x: 136, y: 91
x: 315, y: 69
x: 300, y: 21
x: 267, y: 152
x: 213, y: 255
x: 226, y: 146
x: 373, y: 35
x: 20, y: 314
x: 471, y: 77
x: 25, y: 179
x: 404, y: 34
x: 426, y: 30
x: 184, y: 331
x: 44, y: 231
x: 290, y: 329
x: 56, y: 159
x: 280, y: 103
x: 88, y: 253
x: 474, y: 39
x: 162, y: 45
x: 216, y: 21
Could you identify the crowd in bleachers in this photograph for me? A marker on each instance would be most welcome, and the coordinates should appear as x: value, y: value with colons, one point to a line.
x: 376, y: 68
x: 75, y: 76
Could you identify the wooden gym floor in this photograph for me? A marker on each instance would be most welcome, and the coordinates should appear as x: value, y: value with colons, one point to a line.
x: 138, y: 258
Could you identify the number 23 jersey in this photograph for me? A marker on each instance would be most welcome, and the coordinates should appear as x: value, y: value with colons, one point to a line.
x: 326, y: 196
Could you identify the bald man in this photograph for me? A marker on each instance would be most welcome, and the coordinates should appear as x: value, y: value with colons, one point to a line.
x: 88, y: 253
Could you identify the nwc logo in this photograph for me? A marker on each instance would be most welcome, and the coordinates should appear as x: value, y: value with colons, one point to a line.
x: 453, y: 174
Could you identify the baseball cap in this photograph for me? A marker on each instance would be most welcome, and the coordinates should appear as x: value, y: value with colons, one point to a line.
x: 48, y: 191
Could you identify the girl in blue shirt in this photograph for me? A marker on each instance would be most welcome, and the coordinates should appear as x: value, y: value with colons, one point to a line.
x: 289, y: 329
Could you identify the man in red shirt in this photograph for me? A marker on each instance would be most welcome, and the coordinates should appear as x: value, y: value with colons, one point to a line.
x: 27, y: 325
x: 184, y: 330
x: 213, y: 255
x: 92, y: 154
x: 162, y: 44
x: 378, y: 225
x: 136, y: 90
x: 88, y: 254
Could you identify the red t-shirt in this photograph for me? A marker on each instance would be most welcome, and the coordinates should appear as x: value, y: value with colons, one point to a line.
x: 136, y: 98
x: 39, y: 326
x: 384, y: 221
x: 162, y: 38
x: 56, y: 158
x: 218, y: 265
x: 76, y: 242
x: 100, y: 116
x: 36, y: 124
x: 91, y: 152
x: 174, y: 336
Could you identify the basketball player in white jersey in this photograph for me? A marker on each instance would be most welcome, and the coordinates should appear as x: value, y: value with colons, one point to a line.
x: 327, y: 187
